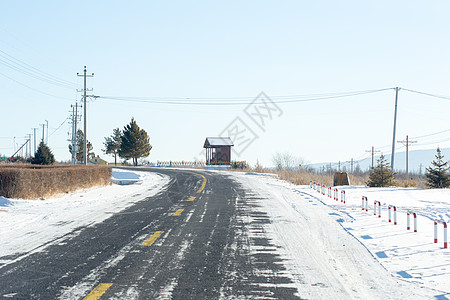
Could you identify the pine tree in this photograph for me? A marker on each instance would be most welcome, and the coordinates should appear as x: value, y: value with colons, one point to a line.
x: 43, y: 155
x: 112, y: 144
x: 437, y: 175
x: 135, y: 142
x: 79, y: 143
x: 381, y: 175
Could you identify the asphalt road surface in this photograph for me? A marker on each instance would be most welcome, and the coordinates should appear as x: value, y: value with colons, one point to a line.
x: 187, y: 242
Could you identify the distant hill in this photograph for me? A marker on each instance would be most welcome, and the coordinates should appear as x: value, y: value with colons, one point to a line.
x: 418, y: 161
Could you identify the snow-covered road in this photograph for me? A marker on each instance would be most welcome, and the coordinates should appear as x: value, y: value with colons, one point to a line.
x: 336, y: 250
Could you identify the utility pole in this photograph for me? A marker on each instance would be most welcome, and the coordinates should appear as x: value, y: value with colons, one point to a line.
x: 28, y: 149
x: 43, y: 133
x: 407, y: 143
x: 395, y: 127
x: 74, y: 132
x: 373, y: 154
x: 46, y: 140
x: 73, y: 135
x: 34, y: 137
x: 85, y: 118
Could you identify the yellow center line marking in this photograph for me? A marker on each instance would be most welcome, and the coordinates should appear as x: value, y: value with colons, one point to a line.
x: 153, y: 238
x: 191, y: 199
x: 203, y: 184
x: 178, y: 212
x: 98, y: 291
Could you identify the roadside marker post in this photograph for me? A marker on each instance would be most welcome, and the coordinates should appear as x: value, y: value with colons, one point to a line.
x: 310, y: 184
x: 408, y: 223
x: 367, y: 204
x: 389, y: 213
x: 445, y: 235
x: 395, y: 215
x: 343, y: 197
x: 415, y: 222
x: 375, y: 207
x: 362, y: 203
x: 379, y: 209
x: 435, y: 231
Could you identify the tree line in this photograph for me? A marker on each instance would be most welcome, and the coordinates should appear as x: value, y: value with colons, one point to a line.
x: 130, y: 143
x: 437, y: 175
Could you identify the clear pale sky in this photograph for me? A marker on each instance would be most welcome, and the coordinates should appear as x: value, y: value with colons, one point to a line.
x: 159, y: 51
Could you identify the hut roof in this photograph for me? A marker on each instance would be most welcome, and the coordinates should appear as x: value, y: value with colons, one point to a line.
x: 211, y: 142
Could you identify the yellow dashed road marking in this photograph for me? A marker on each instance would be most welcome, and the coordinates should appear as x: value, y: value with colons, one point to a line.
x: 153, y: 238
x: 191, y: 199
x: 178, y: 212
x: 98, y: 291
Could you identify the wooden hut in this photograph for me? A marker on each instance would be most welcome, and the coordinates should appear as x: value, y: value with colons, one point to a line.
x: 218, y: 150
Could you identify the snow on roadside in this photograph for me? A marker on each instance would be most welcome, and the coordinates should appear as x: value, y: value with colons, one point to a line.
x: 28, y: 226
x: 337, y: 250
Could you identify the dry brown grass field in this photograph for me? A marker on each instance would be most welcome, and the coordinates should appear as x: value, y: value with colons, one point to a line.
x: 302, y: 177
x: 37, y: 182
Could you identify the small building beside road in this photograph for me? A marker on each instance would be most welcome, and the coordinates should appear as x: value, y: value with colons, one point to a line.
x: 218, y: 150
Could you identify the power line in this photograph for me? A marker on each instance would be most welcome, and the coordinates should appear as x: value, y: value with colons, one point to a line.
x: 27, y: 69
x: 242, y: 101
x: 58, y: 127
x: 427, y: 94
x: 33, y: 89
x: 431, y: 134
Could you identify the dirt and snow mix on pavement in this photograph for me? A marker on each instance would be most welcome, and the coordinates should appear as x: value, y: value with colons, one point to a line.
x: 28, y: 226
x: 338, y: 250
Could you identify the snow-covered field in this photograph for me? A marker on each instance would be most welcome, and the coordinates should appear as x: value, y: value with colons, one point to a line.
x: 28, y: 226
x: 391, y: 263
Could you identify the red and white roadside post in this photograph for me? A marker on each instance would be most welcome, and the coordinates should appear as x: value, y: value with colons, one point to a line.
x: 379, y: 209
x: 390, y: 209
x: 435, y: 231
x: 343, y: 197
x: 415, y: 222
x: 362, y: 203
x: 310, y: 184
x: 389, y: 212
x: 408, y: 223
x: 329, y: 192
x: 445, y: 235
x: 367, y: 204
x: 323, y: 189
x: 375, y: 207
x: 395, y: 215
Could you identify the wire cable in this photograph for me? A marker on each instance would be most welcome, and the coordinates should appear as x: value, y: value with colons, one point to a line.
x: 242, y: 100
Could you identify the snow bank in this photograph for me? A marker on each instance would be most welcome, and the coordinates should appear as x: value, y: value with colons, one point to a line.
x: 337, y: 251
x: 28, y: 226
